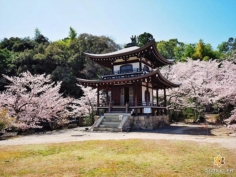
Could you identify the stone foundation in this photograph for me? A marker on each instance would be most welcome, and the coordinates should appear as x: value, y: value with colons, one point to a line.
x: 146, y: 123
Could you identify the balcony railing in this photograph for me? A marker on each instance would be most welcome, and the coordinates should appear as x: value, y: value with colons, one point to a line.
x: 124, y: 74
x: 124, y: 71
x: 142, y: 103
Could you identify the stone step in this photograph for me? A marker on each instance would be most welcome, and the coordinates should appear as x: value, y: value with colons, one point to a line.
x: 116, y: 114
x: 111, y: 117
x: 110, y: 123
x: 106, y: 129
x: 118, y: 111
x: 111, y: 120
x: 108, y: 126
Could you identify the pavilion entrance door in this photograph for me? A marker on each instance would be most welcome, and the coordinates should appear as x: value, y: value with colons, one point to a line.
x: 126, y: 100
x: 124, y: 95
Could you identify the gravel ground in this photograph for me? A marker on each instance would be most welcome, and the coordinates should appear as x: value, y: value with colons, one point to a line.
x: 197, y: 133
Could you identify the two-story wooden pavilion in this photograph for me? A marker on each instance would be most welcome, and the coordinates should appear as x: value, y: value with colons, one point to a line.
x: 133, y: 78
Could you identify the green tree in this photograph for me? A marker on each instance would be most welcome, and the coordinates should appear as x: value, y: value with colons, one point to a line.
x: 58, y: 52
x: 24, y: 61
x: 204, y: 52
x: 178, y: 51
x: 23, y: 44
x: 227, y: 48
x: 9, y: 43
x: 6, y: 66
x: 189, y: 50
x: 39, y: 38
x: 223, y: 47
x: 37, y: 33
x: 92, y: 44
x: 232, y: 44
x: 72, y: 33
x: 5, y: 60
x: 171, y: 49
x: 63, y: 59
x: 199, y: 50
x: 68, y: 87
x: 144, y: 38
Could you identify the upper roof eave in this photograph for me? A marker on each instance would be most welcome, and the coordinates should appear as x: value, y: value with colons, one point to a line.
x: 113, y: 54
x: 129, y: 51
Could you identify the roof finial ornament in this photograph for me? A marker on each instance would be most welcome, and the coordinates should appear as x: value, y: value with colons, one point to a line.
x: 133, y: 42
x: 133, y: 39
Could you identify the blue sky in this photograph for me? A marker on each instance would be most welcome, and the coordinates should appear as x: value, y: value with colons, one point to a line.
x: 214, y: 21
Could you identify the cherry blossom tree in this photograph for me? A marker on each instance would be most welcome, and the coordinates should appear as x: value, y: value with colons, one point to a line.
x: 203, y: 83
x: 32, y: 99
x: 86, y: 105
x: 231, y: 121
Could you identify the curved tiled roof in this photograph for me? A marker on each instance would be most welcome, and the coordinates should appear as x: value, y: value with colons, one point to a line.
x: 155, y: 77
x: 149, y: 52
x: 122, y: 51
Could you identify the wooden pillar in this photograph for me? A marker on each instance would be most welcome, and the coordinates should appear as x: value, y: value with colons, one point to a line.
x: 111, y: 94
x: 140, y: 66
x: 165, y: 101
x: 147, y: 103
x: 97, y: 100
x: 157, y: 96
x: 112, y: 69
x: 164, y: 97
x: 106, y: 95
x: 135, y: 95
x: 125, y: 92
x: 152, y: 96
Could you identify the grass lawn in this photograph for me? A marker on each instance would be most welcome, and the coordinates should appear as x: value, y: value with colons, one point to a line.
x: 114, y: 158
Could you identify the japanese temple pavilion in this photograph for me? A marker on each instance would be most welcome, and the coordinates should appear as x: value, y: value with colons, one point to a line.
x: 134, y: 81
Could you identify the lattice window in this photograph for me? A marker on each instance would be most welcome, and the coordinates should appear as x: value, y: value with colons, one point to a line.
x: 126, y: 68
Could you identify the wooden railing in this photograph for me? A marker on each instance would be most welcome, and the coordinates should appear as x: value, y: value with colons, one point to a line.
x: 144, y: 103
x: 161, y: 110
x: 140, y: 103
x: 127, y: 71
x: 124, y: 74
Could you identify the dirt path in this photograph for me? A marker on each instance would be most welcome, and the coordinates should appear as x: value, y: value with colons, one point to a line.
x: 195, y: 133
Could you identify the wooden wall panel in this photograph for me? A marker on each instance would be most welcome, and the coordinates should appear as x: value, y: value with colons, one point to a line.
x: 116, y: 93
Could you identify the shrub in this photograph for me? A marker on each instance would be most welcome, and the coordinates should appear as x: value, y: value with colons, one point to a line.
x: 88, y: 121
x: 5, y: 120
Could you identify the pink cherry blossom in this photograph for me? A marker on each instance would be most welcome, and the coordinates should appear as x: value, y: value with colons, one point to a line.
x: 203, y: 83
x: 33, y: 99
x: 86, y: 105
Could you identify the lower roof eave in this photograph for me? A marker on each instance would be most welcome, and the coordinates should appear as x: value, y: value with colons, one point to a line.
x: 153, y: 77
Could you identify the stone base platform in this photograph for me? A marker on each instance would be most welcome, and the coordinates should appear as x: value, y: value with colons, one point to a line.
x: 146, y: 122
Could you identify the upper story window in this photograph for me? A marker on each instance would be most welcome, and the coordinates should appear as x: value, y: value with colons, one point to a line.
x: 126, y: 68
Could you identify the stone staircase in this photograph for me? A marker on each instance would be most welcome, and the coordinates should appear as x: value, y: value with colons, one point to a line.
x: 118, y: 110
x: 112, y: 122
